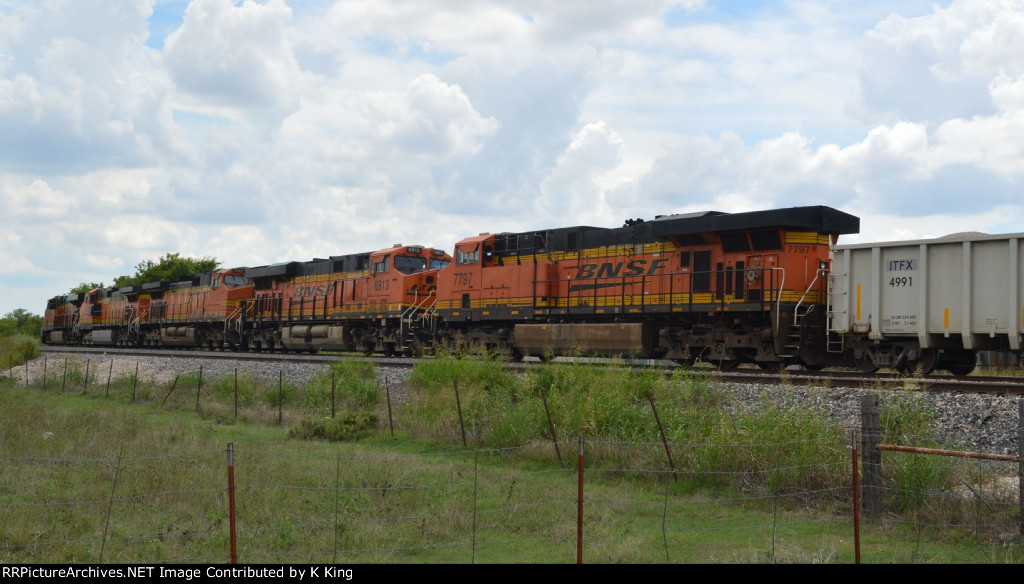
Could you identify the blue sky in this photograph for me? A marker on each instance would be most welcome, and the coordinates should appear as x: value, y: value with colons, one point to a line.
x: 263, y: 131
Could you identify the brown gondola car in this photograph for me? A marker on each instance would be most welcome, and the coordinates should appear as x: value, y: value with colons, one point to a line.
x: 725, y: 288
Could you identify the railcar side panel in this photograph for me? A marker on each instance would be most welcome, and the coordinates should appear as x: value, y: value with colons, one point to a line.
x: 929, y: 302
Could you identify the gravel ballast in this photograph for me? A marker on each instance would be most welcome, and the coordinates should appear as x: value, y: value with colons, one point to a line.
x: 979, y: 423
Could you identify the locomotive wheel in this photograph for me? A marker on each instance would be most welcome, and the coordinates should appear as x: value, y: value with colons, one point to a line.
x: 688, y: 359
x: 728, y: 364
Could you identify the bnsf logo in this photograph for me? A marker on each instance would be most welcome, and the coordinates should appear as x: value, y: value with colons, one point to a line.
x: 311, y: 290
x: 616, y: 269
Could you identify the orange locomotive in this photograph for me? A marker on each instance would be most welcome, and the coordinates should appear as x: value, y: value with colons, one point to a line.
x: 371, y: 301
x: 187, y: 313
x: 725, y: 288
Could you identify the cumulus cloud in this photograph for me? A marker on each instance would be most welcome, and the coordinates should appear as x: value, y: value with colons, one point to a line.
x: 938, y: 66
x: 235, y: 54
x: 573, y: 190
x: 78, y: 87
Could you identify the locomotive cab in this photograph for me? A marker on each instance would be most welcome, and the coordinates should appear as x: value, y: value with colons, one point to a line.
x: 404, y: 279
x: 60, y: 320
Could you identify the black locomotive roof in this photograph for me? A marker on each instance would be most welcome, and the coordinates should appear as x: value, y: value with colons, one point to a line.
x: 819, y: 219
x: 686, y: 228
x: 316, y: 267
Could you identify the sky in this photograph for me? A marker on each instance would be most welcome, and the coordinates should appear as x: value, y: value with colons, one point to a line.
x: 262, y: 131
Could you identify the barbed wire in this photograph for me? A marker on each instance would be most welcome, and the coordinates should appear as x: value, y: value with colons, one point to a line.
x: 470, y: 494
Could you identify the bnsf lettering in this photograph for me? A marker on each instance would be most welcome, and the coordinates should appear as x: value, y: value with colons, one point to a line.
x: 612, y: 270
x: 311, y: 290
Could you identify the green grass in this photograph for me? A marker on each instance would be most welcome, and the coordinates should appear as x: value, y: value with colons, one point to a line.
x: 762, y: 487
x: 17, y: 350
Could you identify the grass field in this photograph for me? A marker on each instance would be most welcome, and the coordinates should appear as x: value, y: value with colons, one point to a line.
x: 102, y: 478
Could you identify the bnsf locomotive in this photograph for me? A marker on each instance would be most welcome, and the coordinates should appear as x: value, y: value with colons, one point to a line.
x: 758, y: 287
x: 369, y: 301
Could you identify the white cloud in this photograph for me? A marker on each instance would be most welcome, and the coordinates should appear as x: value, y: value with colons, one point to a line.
x: 937, y: 66
x: 79, y: 88
x: 573, y: 190
x: 277, y: 130
x: 236, y: 55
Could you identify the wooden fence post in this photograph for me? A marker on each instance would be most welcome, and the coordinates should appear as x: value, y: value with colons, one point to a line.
x: 871, y: 456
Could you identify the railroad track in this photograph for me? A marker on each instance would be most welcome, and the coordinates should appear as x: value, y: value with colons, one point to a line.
x: 828, y: 378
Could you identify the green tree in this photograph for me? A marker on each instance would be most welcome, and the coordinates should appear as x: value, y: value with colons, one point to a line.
x: 21, y: 321
x: 85, y: 287
x: 169, y: 268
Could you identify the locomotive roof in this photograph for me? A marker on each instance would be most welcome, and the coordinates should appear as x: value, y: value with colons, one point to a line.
x: 818, y: 218
x: 318, y: 266
x: 686, y: 228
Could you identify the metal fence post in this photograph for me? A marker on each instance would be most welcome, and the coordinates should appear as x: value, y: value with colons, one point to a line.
x: 199, y: 387
x: 551, y: 425
x: 391, y: 420
x: 664, y: 439
x: 458, y: 404
x: 231, y: 501
x: 579, y: 506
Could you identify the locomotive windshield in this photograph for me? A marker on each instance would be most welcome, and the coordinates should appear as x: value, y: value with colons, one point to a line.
x: 236, y: 281
x: 410, y: 264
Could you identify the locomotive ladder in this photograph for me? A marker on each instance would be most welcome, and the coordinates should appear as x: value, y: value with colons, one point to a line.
x: 412, y: 320
x: 233, y: 322
x: 792, y: 345
x: 135, y: 320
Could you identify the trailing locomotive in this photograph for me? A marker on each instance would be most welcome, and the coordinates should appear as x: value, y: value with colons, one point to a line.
x: 369, y: 301
x: 759, y: 287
